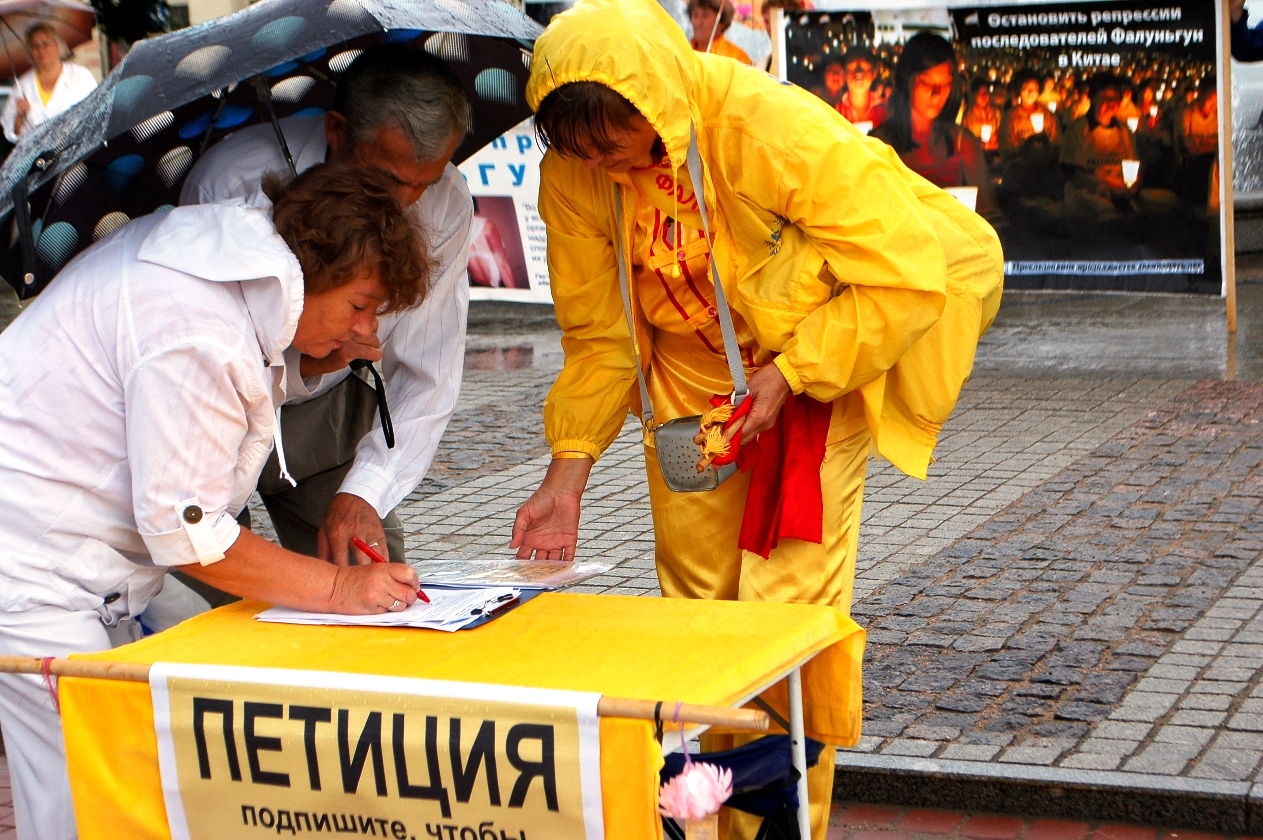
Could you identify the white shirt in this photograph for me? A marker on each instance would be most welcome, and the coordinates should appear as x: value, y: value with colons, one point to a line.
x: 74, y: 83
x: 146, y: 376
x: 423, y: 349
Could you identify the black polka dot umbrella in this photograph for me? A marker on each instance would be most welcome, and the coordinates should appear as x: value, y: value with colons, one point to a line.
x: 125, y: 150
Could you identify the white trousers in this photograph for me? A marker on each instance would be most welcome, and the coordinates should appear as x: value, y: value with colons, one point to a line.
x: 31, y: 725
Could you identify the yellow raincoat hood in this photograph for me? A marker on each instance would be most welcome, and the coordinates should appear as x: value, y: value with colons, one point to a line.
x: 861, y: 275
x: 630, y: 46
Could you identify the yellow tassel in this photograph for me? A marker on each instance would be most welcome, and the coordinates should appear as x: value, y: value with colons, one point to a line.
x: 716, y: 444
x: 721, y: 413
x: 675, y: 271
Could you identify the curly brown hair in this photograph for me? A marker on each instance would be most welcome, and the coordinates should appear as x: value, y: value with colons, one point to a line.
x: 339, y: 219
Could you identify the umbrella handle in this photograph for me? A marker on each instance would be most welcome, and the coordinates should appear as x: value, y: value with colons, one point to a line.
x: 22, y: 215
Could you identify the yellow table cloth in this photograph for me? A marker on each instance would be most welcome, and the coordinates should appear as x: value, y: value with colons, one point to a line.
x: 707, y: 652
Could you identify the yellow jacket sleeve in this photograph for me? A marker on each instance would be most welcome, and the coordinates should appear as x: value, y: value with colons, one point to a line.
x: 586, y: 407
x: 878, y: 249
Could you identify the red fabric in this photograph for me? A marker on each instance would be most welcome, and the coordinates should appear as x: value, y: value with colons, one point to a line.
x: 785, y: 500
x: 734, y: 445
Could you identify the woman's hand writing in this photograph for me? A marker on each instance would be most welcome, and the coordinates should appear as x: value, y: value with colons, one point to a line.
x: 373, y: 589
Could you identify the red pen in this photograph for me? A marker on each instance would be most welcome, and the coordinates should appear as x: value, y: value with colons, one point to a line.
x: 377, y: 558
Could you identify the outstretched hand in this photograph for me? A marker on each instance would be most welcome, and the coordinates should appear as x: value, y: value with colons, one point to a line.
x: 547, y: 524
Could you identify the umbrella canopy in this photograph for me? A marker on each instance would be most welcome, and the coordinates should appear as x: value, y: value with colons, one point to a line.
x: 73, y: 22
x: 126, y: 149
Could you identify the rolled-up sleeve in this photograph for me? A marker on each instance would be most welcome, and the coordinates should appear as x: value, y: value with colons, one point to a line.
x: 186, y: 411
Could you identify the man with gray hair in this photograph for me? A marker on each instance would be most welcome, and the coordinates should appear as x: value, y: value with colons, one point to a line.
x: 403, y: 111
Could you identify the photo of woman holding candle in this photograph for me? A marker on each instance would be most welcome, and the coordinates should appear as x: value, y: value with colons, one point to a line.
x: 1198, y: 144
x: 1095, y: 147
x: 1095, y: 164
x: 982, y: 120
x: 922, y: 123
x: 1028, y: 123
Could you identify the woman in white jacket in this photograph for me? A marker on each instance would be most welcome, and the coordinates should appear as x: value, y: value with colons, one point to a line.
x: 138, y: 399
x: 48, y: 88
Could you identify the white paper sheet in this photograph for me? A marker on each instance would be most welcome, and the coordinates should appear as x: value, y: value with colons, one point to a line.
x: 526, y: 574
x: 450, y: 608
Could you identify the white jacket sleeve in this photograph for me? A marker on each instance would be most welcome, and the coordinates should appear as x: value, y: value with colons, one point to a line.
x: 186, y: 413
x: 423, y: 358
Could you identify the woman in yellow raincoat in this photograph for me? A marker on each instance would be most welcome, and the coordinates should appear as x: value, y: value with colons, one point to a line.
x: 850, y: 279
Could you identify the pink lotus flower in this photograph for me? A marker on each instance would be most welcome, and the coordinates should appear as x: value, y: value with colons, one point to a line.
x: 695, y: 793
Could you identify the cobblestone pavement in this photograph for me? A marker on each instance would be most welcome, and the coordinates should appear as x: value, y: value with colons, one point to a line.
x: 854, y: 821
x: 1105, y: 621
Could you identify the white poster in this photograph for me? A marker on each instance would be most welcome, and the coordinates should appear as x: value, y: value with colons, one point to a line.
x: 254, y: 752
x: 507, y: 258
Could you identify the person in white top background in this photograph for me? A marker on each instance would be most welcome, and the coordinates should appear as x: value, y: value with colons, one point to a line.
x: 47, y: 89
x: 400, y: 110
x: 138, y: 399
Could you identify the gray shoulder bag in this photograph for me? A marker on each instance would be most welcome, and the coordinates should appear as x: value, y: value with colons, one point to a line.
x: 673, y: 440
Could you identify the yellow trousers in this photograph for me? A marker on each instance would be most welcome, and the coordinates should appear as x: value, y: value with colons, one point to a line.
x: 695, y: 538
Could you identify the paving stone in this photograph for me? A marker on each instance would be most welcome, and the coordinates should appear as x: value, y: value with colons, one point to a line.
x: 1091, y: 761
x: 930, y: 822
x: 987, y: 827
x: 1108, y: 746
x: 866, y: 815
x: 1250, y: 722
x: 1189, y: 717
x: 1124, y: 832
x: 1055, y: 830
x: 908, y: 746
x: 970, y: 752
x: 1173, y: 734
x: 1226, y: 764
x: 1122, y: 730
x: 1031, y: 755
x: 1163, y: 759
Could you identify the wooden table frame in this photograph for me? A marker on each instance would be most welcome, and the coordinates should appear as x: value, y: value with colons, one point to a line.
x: 797, y: 735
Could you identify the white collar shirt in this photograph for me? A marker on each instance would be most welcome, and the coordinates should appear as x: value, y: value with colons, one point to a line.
x: 423, y: 349
x: 145, y: 376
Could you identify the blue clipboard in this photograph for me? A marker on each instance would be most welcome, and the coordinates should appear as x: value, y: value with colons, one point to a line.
x: 495, y: 612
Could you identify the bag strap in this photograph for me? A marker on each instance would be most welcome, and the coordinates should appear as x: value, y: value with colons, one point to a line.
x: 646, y: 408
x: 732, y: 350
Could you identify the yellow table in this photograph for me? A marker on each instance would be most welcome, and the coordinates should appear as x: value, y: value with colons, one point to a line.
x: 718, y: 653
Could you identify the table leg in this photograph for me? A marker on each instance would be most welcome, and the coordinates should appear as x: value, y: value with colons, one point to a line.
x: 798, y: 749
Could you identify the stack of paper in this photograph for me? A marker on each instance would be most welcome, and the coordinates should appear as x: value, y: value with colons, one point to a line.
x: 524, y: 574
x: 450, y: 608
